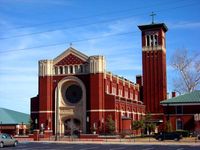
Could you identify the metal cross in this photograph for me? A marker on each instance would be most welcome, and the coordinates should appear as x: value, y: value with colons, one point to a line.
x: 70, y: 44
x: 152, y: 15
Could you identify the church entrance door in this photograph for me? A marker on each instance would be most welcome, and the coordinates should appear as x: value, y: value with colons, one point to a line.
x: 72, y: 126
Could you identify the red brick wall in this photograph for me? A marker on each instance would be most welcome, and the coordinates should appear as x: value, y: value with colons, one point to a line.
x: 154, y: 74
x: 96, y: 98
x: 187, y: 117
x: 45, y: 100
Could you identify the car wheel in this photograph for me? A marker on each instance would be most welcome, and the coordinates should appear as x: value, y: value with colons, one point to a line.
x: 16, y: 143
x: 198, y: 137
x: 1, y: 145
x: 159, y: 139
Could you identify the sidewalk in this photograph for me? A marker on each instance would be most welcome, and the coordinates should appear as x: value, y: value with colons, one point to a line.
x: 138, y: 141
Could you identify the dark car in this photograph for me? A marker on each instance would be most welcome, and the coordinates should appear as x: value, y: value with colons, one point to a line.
x: 168, y: 136
x: 198, y: 136
x: 7, y: 140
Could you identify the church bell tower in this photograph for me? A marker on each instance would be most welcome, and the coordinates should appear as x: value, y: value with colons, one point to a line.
x: 154, y: 66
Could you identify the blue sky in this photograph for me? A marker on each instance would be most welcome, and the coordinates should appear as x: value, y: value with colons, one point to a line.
x: 89, y: 25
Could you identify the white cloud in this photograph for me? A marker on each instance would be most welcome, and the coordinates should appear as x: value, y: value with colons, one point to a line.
x: 184, y: 25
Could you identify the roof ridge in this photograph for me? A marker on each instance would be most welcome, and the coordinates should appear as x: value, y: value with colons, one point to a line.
x: 13, y: 110
x: 13, y: 117
x: 191, y: 97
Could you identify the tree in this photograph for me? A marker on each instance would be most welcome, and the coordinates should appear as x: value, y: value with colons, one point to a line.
x: 110, y: 124
x: 30, y: 126
x: 168, y: 127
x: 148, y: 124
x: 138, y: 124
x: 145, y: 123
x: 187, y: 67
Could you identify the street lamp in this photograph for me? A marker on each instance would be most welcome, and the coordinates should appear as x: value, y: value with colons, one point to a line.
x: 36, y: 122
x: 1, y: 127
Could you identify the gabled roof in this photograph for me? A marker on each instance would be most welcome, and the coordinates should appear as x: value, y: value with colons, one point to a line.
x: 69, y: 51
x: 8, y: 116
x: 193, y: 97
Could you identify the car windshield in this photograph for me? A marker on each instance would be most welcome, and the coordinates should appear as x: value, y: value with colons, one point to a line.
x: 5, y: 136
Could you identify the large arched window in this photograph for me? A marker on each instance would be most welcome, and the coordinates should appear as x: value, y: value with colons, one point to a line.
x: 152, y: 40
x: 148, y: 40
x: 76, y: 69
x: 61, y: 69
x: 81, y: 68
x: 71, y: 69
x: 155, y: 40
x: 56, y: 70
x: 66, y: 69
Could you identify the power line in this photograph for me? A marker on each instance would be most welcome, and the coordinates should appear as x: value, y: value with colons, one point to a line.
x: 73, y: 41
x: 65, y: 28
x: 62, y: 43
x: 85, y: 17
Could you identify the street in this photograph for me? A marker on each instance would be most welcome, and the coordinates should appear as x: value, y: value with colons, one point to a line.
x: 85, y: 146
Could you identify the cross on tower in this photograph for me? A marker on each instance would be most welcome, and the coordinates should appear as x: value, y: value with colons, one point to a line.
x: 152, y: 15
x: 70, y: 44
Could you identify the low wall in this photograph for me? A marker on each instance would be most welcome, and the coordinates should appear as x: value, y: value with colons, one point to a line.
x: 24, y: 138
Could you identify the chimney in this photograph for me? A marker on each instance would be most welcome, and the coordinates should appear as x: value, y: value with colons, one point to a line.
x: 139, y: 80
x: 168, y: 96
x: 173, y: 94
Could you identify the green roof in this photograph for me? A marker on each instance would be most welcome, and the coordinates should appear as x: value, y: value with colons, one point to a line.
x: 193, y: 97
x: 13, y: 117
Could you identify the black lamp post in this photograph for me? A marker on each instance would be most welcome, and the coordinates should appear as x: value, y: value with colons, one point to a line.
x: 22, y: 128
x: 1, y: 127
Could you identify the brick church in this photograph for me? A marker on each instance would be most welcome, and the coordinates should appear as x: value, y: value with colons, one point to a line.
x: 76, y: 91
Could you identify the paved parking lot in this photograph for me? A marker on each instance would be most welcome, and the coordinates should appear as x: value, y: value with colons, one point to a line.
x: 85, y: 146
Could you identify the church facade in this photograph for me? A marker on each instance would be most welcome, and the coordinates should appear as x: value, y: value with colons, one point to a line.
x: 76, y: 91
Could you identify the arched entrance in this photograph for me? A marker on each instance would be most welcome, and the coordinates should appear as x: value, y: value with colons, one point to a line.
x: 72, y: 126
x: 70, y: 106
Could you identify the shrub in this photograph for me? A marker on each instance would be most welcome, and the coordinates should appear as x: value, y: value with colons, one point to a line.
x: 184, y: 133
x: 110, y: 124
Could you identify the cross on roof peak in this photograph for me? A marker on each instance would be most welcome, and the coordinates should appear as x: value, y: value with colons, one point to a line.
x: 152, y: 15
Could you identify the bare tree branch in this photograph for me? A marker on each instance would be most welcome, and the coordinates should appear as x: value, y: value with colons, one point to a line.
x: 188, y: 68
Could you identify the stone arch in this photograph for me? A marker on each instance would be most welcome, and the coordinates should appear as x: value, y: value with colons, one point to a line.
x: 65, y: 110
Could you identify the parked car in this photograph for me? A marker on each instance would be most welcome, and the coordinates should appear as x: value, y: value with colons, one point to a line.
x: 169, y: 136
x: 198, y: 136
x: 7, y: 140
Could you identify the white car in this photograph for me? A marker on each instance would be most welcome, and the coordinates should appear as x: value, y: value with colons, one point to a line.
x: 7, y: 140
